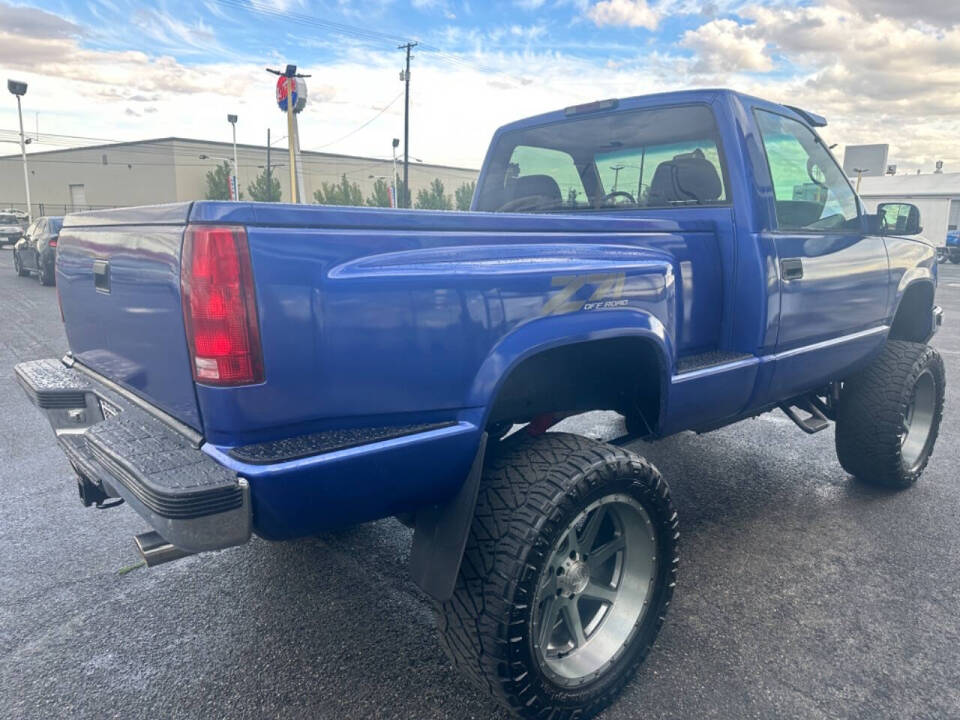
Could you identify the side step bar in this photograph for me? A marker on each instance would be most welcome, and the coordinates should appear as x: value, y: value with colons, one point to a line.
x: 816, y: 418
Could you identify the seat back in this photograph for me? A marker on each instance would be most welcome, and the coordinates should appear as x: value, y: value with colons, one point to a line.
x: 687, y: 178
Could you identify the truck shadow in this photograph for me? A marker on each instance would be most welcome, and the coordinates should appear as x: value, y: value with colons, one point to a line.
x: 338, y: 617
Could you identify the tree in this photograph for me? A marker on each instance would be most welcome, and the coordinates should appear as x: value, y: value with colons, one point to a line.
x: 341, y: 193
x: 434, y: 198
x: 218, y: 182
x: 464, y: 195
x: 380, y: 197
x: 261, y: 191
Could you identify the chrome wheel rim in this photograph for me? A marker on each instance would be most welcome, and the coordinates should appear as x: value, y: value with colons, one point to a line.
x: 594, y: 590
x: 918, y: 420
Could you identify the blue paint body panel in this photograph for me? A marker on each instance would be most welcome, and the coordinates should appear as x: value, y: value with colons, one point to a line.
x: 373, y: 317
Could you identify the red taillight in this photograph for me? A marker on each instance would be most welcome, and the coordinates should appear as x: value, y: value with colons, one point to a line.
x: 219, y: 306
x: 53, y: 242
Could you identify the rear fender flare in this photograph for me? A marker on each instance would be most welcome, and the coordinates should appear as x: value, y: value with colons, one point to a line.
x: 552, y: 332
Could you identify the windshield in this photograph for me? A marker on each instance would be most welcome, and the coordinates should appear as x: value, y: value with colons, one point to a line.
x: 9, y: 219
x: 660, y: 158
x: 55, y: 223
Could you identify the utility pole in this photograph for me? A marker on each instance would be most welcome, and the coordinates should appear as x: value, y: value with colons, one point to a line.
x: 405, y: 76
x: 616, y: 175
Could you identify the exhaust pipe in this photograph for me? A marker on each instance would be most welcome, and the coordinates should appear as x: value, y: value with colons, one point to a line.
x: 155, y: 550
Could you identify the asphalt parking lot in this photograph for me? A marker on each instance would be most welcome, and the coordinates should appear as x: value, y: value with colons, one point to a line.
x: 801, y: 593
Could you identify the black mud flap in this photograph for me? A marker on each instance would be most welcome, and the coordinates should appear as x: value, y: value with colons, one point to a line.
x: 441, y: 535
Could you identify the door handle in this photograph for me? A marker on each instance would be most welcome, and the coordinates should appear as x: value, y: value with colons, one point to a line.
x: 101, y: 275
x: 791, y: 268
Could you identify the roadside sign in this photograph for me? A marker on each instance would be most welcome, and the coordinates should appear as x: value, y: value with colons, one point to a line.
x: 299, y: 93
x: 234, y: 195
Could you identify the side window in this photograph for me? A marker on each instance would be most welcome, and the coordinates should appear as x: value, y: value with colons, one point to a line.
x: 810, y: 190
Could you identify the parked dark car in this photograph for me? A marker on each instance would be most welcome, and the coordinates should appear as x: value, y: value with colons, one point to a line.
x: 37, y: 249
x: 12, y: 225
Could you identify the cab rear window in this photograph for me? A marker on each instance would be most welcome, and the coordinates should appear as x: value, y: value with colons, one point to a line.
x: 667, y: 157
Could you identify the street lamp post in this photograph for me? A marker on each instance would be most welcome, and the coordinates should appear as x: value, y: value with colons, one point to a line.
x: 232, y: 119
x: 19, y: 89
x: 395, y: 198
x: 228, y: 161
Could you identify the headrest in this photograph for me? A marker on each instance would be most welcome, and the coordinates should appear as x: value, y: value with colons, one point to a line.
x: 537, y: 185
x: 689, y: 177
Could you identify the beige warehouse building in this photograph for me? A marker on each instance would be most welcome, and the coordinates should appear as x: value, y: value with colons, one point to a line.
x: 170, y: 170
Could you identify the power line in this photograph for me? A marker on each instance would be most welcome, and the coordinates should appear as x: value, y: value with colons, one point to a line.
x: 361, y: 127
x: 372, y: 36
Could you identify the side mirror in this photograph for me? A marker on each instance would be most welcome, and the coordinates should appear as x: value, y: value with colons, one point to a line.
x: 899, y: 219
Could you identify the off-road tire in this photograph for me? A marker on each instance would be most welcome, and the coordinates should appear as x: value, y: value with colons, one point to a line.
x: 45, y: 277
x: 531, y: 489
x: 18, y: 265
x: 871, y: 410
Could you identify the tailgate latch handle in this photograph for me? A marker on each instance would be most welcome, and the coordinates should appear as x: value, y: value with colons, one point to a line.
x: 101, y: 275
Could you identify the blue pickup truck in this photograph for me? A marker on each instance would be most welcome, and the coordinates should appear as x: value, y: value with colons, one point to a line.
x: 687, y: 260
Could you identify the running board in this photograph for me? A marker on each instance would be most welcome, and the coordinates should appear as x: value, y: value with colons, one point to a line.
x: 814, y: 422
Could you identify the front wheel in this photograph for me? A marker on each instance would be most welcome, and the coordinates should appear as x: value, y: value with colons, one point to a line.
x: 566, y: 577
x: 889, y: 415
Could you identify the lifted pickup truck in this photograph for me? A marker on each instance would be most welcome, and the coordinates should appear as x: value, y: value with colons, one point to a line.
x: 687, y: 260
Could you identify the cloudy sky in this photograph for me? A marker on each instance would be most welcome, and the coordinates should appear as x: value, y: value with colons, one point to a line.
x: 880, y: 70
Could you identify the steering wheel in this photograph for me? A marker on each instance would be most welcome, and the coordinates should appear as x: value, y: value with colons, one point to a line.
x: 619, y: 193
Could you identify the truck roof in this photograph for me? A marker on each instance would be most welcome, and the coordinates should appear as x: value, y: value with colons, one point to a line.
x: 707, y: 95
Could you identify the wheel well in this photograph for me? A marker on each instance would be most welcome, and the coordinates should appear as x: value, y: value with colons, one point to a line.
x: 621, y: 374
x: 912, y: 321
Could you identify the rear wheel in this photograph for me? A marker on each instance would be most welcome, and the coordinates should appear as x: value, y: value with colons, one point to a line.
x: 18, y: 265
x: 567, y: 575
x: 889, y: 415
x: 45, y: 275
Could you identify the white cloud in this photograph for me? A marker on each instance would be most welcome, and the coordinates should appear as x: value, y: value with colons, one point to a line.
x: 631, y: 13
x: 877, y: 79
x: 725, y: 46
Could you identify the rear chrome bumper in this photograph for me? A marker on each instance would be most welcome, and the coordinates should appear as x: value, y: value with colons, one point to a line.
x: 122, y: 447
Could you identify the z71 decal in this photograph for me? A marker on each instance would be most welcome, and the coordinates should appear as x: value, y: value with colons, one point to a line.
x: 607, y: 292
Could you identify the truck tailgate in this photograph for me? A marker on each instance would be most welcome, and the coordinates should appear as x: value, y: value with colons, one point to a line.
x: 118, y: 275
